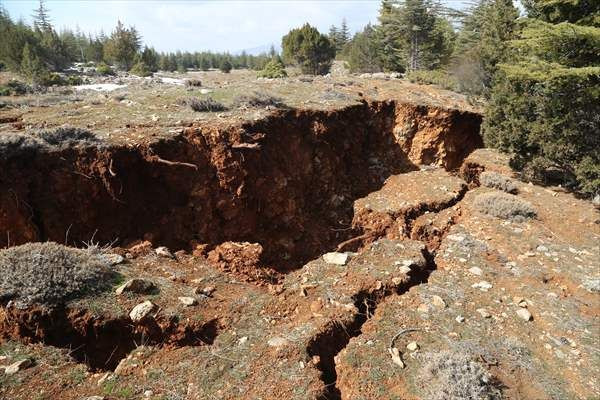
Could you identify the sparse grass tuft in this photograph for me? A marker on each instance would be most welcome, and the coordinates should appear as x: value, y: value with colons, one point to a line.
x: 449, y: 375
x: 504, y: 206
x: 257, y: 99
x: 497, y: 181
x: 50, y: 274
x: 199, y: 105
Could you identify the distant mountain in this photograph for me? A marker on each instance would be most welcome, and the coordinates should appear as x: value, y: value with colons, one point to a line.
x: 260, y: 49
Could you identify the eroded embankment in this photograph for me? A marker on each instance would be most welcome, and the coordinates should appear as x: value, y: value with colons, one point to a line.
x: 287, y: 182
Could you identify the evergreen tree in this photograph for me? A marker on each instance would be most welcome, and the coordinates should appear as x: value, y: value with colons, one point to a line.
x: 150, y: 58
x: 309, y: 49
x: 225, y: 66
x: 362, y: 53
x: 41, y: 19
x: 205, y: 64
x: 389, y: 45
x: 123, y: 46
x: 344, y: 34
x: 31, y: 65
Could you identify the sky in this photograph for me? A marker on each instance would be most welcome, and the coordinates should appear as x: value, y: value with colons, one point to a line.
x: 217, y: 25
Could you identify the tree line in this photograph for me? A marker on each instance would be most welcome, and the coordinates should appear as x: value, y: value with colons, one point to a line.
x: 38, y: 50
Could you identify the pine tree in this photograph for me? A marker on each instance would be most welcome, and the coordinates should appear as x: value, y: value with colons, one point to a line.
x: 31, y: 65
x: 389, y: 45
x: 41, y: 20
x: 123, y: 46
x: 309, y: 49
x: 344, y: 35
x: 362, y: 51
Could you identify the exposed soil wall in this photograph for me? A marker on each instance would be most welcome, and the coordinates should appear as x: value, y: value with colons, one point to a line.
x: 286, y: 182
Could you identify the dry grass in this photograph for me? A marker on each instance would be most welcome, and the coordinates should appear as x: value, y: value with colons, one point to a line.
x: 497, y: 181
x: 67, y: 136
x: 50, y: 274
x: 450, y: 375
x: 257, y: 99
x: 201, y: 105
x: 504, y: 206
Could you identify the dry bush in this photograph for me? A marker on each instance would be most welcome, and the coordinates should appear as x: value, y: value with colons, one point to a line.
x: 193, y: 83
x: 505, y: 206
x: 497, y: 181
x: 450, y: 375
x: 67, y: 136
x: 12, y: 144
x: 199, y: 105
x: 257, y: 99
x: 49, y: 274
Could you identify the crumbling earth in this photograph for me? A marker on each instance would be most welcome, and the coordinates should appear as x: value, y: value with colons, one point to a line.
x: 310, y: 254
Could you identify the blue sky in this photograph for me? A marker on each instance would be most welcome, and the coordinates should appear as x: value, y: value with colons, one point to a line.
x: 220, y: 25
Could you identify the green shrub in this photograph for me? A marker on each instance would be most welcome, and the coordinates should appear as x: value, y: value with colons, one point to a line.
x: 4, y: 90
x: 52, y: 79
x: 225, y: 67
x: 141, y: 69
x: 435, y: 77
x: 74, y: 80
x: 547, y: 117
x: 193, y: 83
x: 273, y: 69
x: 104, y: 69
x: 18, y: 87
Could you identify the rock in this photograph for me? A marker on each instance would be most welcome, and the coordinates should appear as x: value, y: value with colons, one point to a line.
x: 336, y: 258
x: 592, y: 285
x: 188, y: 301
x: 277, y: 341
x: 423, y: 308
x: 596, y: 201
x: 243, y: 340
x: 524, y: 313
x: 18, y: 366
x: 412, y: 346
x: 148, y: 393
x: 460, y: 319
x: 476, y: 271
x: 205, y: 91
x: 135, y: 285
x: 141, y: 311
x: 483, y: 312
x: 112, y: 259
x: 484, y: 286
x: 438, y: 301
x: 164, y: 252
x: 94, y: 398
x: 206, y: 291
x: 316, y: 306
x: 396, y: 359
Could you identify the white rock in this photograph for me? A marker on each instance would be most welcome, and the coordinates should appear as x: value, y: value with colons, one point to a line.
x: 205, y: 91
x: 336, y: 258
x: 188, y: 301
x: 94, y: 398
x: 148, y: 393
x: 277, y: 341
x: 141, y: 311
x: 404, y: 269
x: 438, y: 301
x: 18, y: 366
x: 112, y: 259
x: 396, y: 359
x: 483, y: 312
x: 484, y: 286
x: 135, y: 285
x: 164, y: 252
x: 476, y: 271
x: 524, y: 313
x: 412, y: 346
x: 243, y: 340
x: 460, y: 319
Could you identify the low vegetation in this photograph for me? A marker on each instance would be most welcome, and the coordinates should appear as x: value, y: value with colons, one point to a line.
x: 50, y: 274
x: 200, y: 105
x: 258, y: 99
x: 450, y: 375
x: 498, y: 181
x: 504, y: 206
x: 273, y: 70
x: 66, y: 136
x: 434, y: 77
x: 193, y: 82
